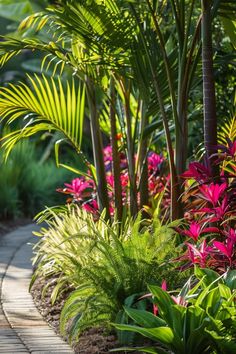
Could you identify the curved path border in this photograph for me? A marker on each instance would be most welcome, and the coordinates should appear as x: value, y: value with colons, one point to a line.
x: 22, y: 328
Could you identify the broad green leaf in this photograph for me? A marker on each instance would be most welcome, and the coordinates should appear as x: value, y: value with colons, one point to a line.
x: 145, y: 318
x: 197, y: 339
x: 208, y: 275
x: 162, y: 334
x: 164, y: 302
x: 178, y: 320
x: 231, y: 279
x: 223, y: 344
x: 225, y: 291
x: 141, y: 350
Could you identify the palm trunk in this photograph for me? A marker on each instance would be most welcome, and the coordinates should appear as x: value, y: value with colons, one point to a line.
x: 115, y: 154
x: 209, y: 99
x: 103, y: 201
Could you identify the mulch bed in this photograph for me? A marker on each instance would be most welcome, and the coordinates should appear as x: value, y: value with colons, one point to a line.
x: 92, y: 341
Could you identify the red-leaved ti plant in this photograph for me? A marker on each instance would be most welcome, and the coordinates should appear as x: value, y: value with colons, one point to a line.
x: 210, y: 233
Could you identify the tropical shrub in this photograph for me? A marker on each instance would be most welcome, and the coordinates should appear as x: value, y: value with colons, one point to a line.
x: 104, y: 269
x: 200, y: 320
x: 132, y: 53
x: 26, y: 185
x: 210, y: 212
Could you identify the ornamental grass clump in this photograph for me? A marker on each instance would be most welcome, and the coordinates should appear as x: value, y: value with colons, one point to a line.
x: 104, y: 269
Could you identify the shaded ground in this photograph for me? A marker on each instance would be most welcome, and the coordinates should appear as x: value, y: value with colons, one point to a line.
x: 9, y: 225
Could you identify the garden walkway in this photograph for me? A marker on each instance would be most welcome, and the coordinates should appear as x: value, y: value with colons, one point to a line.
x: 22, y: 329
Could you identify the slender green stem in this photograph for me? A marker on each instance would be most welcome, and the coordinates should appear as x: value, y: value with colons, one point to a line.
x: 166, y: 63
x: 130, y: 151
x: 142, y: 153
x: 174, y: 179
x: 176, y: 16
x: 115, y: 152
x: 103, y: 201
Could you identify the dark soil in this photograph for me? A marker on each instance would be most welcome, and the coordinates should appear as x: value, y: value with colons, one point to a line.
x: 93, y: 341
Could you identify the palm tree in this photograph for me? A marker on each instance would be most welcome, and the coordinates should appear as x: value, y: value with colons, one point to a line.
x: 150, y: 60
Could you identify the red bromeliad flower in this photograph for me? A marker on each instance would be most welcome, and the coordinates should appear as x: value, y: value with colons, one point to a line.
x: 154, y: 162
x: 110, y: 180
x: 77, y: 187
x: 91, y: 206
x: 212, y: 192
x: 179, y: 300
x: 107, y: 153
x: 225, y: 248
x: 211, y: 204
x: 83, y: 190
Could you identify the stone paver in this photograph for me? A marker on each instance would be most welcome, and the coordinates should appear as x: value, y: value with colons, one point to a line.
x: 22, y: 329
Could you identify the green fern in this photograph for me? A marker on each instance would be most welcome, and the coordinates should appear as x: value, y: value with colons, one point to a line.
x: 104, y: 269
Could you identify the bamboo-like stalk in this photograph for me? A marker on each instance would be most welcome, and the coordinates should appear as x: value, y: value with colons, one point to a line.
x: 115, y: 153
x: 130, y: 150
x: 174, y: 180
x: 143, y: 165
x: 167, y: 65
x: 180, y: 126
x: 209, y: 99
x: 103, y: 200
x: 182, y: 96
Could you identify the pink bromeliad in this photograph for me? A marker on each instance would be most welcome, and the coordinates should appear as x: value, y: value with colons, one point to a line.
x: 78, y: 186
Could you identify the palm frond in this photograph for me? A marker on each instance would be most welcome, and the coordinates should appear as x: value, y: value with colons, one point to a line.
x: 46, y: 105
x: 35, y: 21
x: 228, y: 130
x: 10, y: 47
